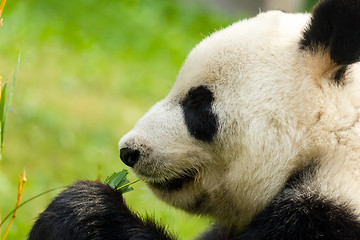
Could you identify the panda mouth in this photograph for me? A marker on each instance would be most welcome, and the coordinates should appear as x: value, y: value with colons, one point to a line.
x: 176, y: 183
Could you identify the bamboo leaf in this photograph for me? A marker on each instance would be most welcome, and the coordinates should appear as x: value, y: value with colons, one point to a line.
x: 128, y: 189
x: 115, y: 180
x: 118, y: 181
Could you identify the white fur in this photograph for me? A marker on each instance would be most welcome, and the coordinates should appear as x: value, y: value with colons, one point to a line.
x: 277, y: 111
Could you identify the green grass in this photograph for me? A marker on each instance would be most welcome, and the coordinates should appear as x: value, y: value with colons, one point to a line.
x: 89, y: 70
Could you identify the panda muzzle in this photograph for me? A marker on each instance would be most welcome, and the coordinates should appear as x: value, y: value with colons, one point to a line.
x: 172, y: 184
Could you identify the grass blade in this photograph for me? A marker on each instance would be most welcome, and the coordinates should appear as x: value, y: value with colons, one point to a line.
x: 2, y: 115
x: 2, y: 101
x: 10, y: 92
x: 27, y: 201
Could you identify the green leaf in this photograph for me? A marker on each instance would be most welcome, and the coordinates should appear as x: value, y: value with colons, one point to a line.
x: 118, y: 181
x: 127, y: 189
x: 115, y: 180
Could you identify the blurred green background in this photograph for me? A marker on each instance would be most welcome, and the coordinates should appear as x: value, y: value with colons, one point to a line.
x: 89, y: 70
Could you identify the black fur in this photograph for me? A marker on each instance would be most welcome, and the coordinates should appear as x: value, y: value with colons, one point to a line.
x: 296, y: 217
x: 297, y: 214
x: 335, y: 26
x: 200, y: 120
x: 219, y: 233
x: 93, y: 211
x: 299, y: 218
x: 339, y: 75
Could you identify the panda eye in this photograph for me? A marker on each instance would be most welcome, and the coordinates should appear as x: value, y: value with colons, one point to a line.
x: 199, y: 118
x: 198, y: 97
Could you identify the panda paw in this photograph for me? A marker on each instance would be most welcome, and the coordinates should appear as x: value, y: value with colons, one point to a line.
x: 92, y: 210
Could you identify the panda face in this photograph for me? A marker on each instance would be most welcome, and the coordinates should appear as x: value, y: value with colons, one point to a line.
x: 246, y: 111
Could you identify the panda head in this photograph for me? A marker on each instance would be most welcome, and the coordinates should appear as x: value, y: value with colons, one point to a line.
x: 251, y: 105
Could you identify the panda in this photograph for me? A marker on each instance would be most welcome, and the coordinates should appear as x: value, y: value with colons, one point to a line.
x: 260, y: 132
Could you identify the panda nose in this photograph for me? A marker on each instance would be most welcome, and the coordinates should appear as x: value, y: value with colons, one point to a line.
x: 129, y: 156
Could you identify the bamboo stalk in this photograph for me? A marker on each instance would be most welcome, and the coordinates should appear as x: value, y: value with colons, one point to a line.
x: 2, y: 5
x: 126, y: 185
x: 22, y: 181
x: 29, y: 200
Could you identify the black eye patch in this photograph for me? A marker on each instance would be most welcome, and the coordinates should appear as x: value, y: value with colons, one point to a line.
x: 200, y: 120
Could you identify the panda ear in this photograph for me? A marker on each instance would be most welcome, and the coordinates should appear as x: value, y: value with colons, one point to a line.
x: 335, y: 28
